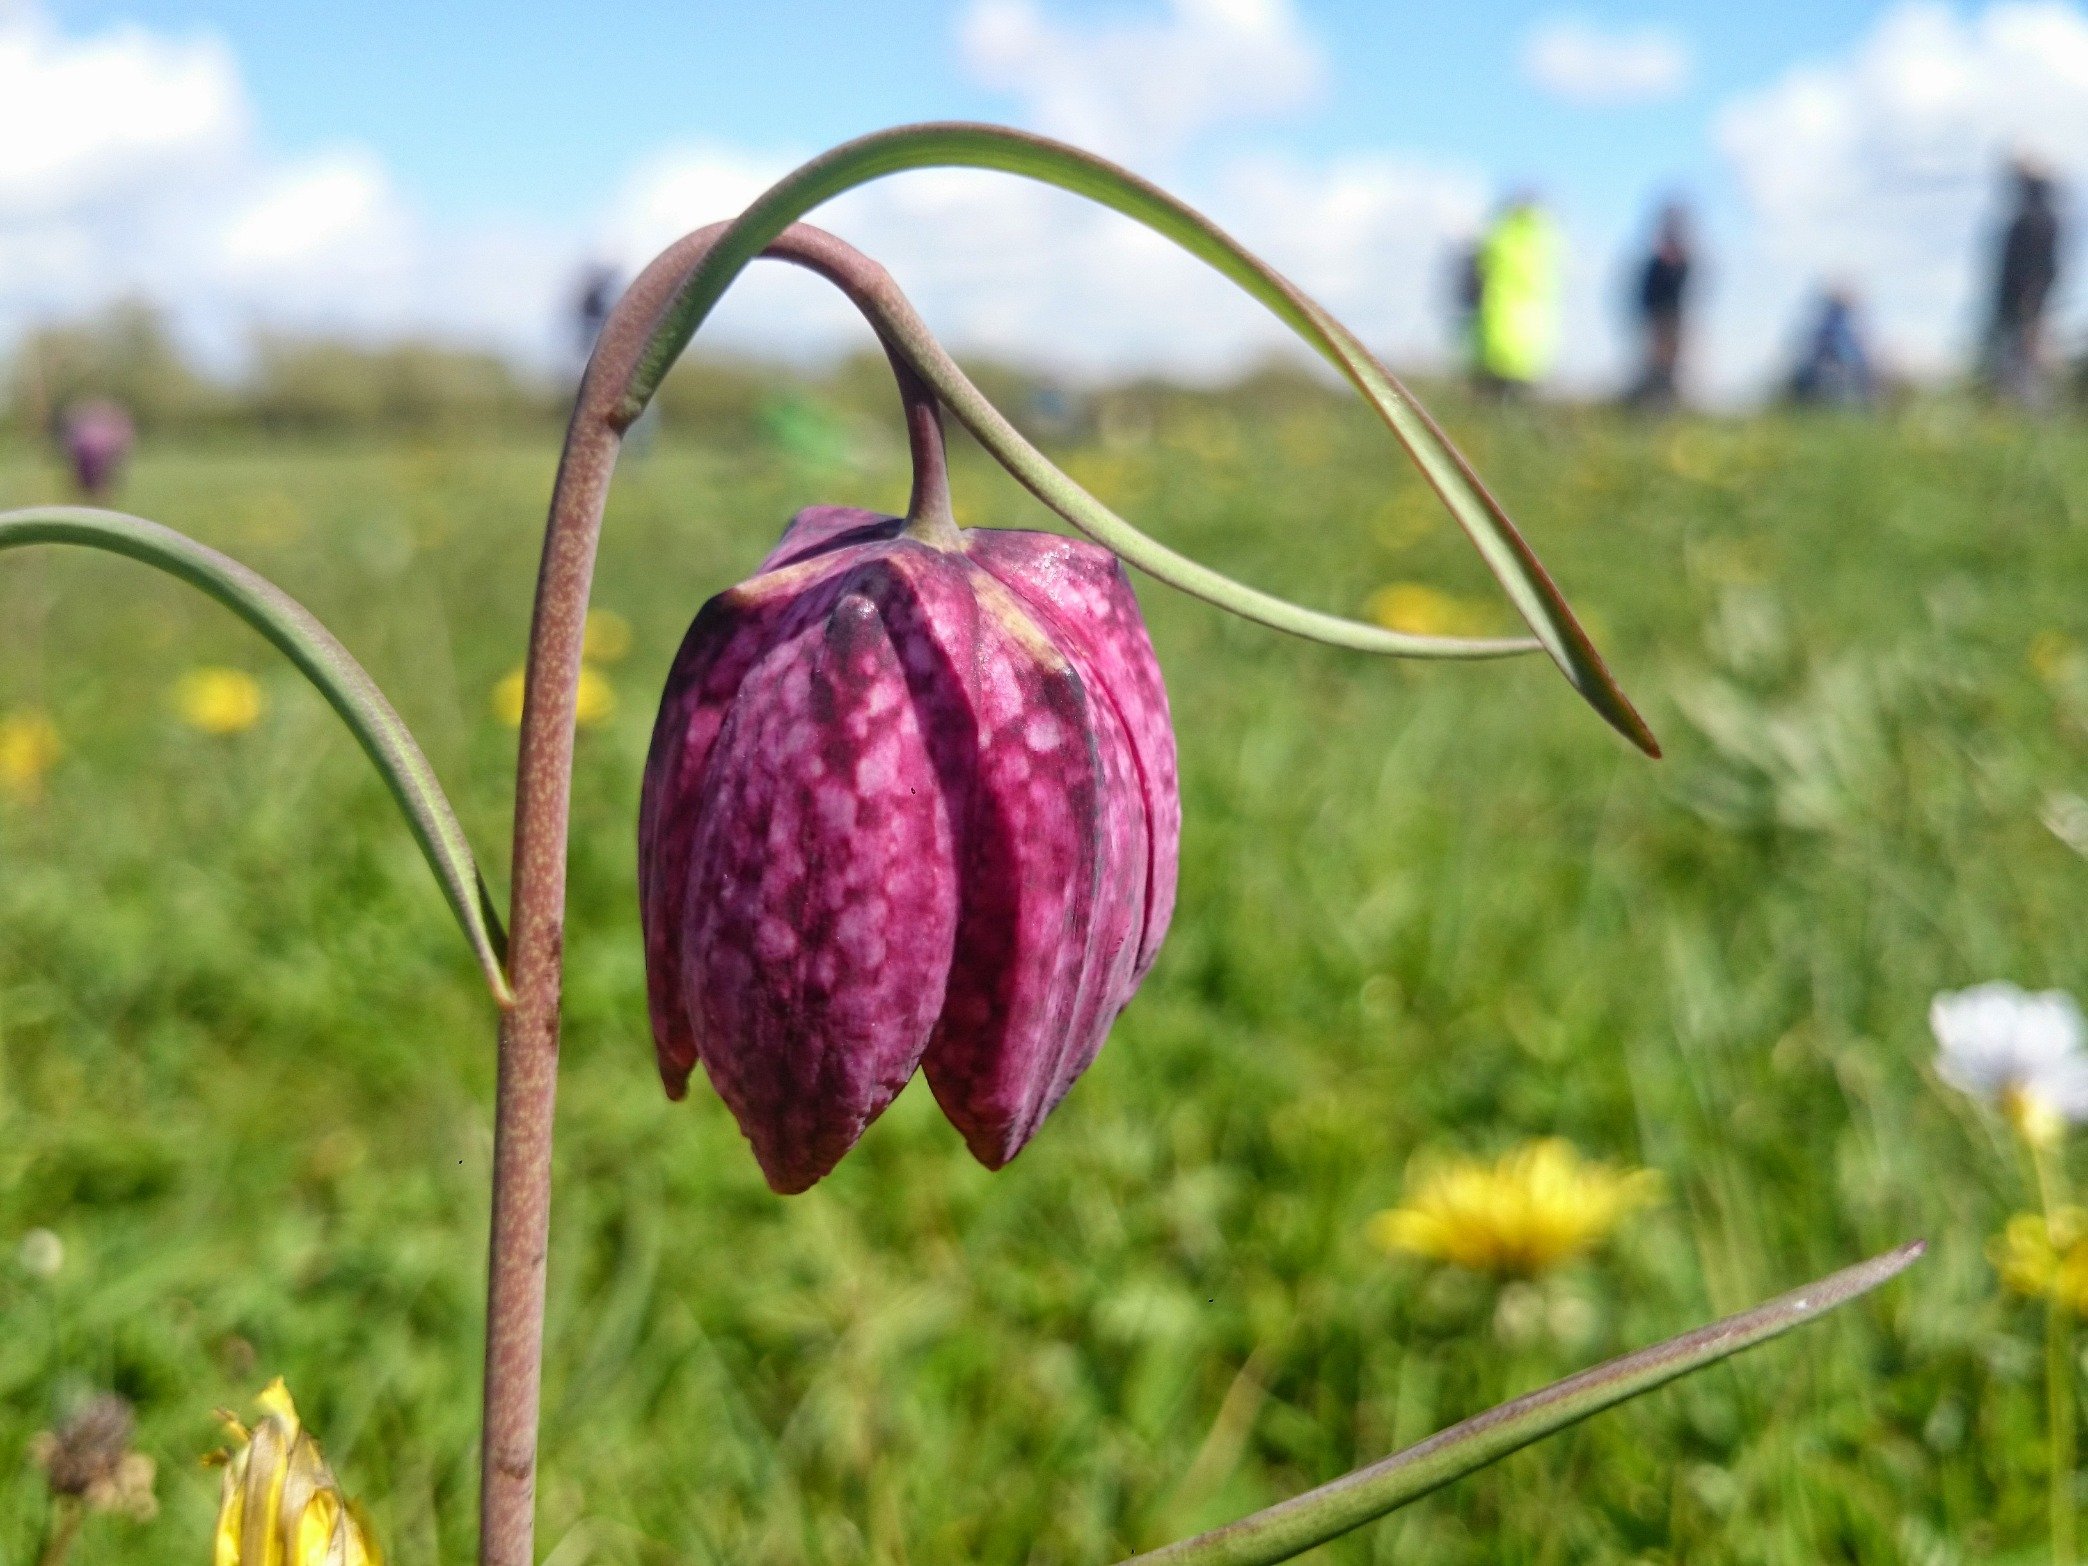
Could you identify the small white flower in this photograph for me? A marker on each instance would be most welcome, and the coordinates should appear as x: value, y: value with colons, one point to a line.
x: 2020, y: 1051
x: 41, y: 1254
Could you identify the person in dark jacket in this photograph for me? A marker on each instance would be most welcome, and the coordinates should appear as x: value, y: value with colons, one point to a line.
x: 1662, y: 296
x: 1834, y: 368
x: 2026, y: 266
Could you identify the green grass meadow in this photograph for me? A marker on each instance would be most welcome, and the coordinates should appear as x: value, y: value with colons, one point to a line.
x: 246, y: 1065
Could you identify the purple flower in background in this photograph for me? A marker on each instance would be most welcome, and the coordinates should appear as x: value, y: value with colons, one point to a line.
x: 906, y: 807
x: 98, y: 436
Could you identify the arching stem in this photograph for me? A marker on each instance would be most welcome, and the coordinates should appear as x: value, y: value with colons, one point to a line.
x: 929, y: 517
x: 528, y: 1072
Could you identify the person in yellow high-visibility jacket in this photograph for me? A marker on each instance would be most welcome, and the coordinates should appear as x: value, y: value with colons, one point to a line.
x: 1518, y: 296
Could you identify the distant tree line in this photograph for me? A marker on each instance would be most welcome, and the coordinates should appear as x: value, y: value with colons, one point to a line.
x: 129, y: 355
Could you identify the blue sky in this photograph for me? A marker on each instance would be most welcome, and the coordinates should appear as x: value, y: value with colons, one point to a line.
x: 489, y: 108
x: 453, y: 162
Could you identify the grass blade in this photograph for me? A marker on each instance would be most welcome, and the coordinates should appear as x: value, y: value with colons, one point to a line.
x: 1291, y: 1527
x: 344, y: 683
x: 1514, y: 564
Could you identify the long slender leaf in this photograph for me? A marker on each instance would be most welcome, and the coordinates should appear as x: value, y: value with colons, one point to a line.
x: 344, y: 683
x: 1291, y: 1527
x: 1514, y: 564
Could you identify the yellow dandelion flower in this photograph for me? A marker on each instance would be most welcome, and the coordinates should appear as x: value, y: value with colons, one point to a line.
x: 29, y: 748
x: 607, y: 638
x: 2045, y: 1260
x: 219, y: 701
x: 597, y: 702
x: 1426, y: 611
x: 2051, y: 652
x: 1536, y: 1207
x: 507, y: 698
x: 597, y: 699
x: 281, y: 1505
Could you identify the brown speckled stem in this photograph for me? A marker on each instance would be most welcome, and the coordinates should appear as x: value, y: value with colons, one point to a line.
x: 543, y: 796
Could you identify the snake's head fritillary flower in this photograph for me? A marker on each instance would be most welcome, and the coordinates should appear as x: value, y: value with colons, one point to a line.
x: 2018, y: 1051
x: 910, y: 805
x: 1522, y: 1215
x: 98, y: 436
x: 280, y: 1504
x: 219, y: 701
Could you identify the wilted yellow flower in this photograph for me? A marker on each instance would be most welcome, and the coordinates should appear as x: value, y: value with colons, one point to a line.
x: 1421, y: 610
x: 597, y: 700
x: 88, y: 1460
x: 1534, y: 1208
x: 607, y: 637
x: 219, y: 701
x: 281, y: 1504
x: 29, y: 748
x: 2045, y: 1260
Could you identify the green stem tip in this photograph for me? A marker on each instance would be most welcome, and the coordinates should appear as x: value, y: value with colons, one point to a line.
x: 331, y: 668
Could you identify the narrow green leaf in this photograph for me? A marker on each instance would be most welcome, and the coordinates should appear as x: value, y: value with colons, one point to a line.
x: 1514, y: 564
x: 1291, y: 1527
x: 329, y: 666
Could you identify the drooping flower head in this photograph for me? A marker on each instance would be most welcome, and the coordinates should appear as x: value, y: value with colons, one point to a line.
x: 2021, y: 1052
x: 281, y: 1505
x: 910, y: 805
x: 1531, y: 1210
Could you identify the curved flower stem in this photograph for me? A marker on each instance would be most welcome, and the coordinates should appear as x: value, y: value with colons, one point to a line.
x: 955, y: 145
x: 913, y: 348
x: 526, y: 1096
x: 330, y: 667
x: 929, y: 516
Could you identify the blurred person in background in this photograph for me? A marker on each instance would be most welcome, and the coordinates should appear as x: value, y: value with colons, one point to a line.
x: 97, y: 436
x: 1518, y: 297
x: 592, y: 302
x: 1467, y: 288
x: 2026, y: 265
x: 1659, y: 302
x: 1835, y: 367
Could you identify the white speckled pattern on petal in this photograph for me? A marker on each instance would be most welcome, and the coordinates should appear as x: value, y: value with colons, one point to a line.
x: 814, y: 960
x: 904, y: 807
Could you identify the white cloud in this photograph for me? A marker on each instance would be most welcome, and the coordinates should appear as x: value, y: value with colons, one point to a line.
x: 312, y: 211
x: 233, y: 235
x: 1143, y: 90
x: 129, y: 165
x: 1007, y: 267
x: 1881, y: 168
x: 104, y: 115
x: 1011, y: 268
x: 1584, y: 64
